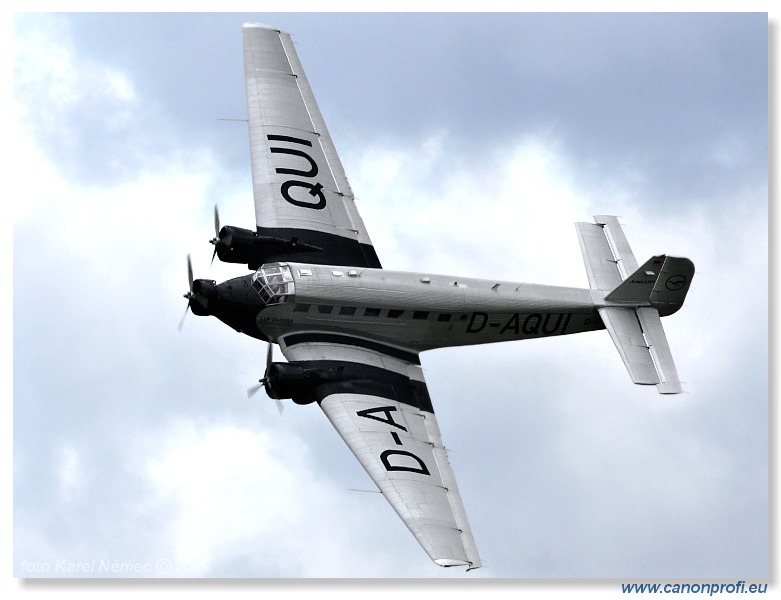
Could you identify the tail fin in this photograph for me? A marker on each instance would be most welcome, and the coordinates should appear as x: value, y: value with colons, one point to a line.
x: 634, y: 299
x: 662, y: 282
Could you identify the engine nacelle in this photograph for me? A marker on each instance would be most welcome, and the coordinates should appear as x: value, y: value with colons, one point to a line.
x: 310, y: 381
x: 238, y: 245
x: 203, y: 291
x: 295, y: 381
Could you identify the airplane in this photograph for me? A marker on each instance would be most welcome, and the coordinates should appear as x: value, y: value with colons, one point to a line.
x: 352, y: 332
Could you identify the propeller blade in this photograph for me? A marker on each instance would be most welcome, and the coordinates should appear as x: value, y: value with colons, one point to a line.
x: 269, y: 366
x: 269, y: 363
x: 216, y: 239
x: 189, y: 294
x: 254, y: 389
x: 190, y: 272
x: 184, y: 316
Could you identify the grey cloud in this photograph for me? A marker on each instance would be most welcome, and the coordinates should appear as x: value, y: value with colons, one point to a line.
x: 665, y: 114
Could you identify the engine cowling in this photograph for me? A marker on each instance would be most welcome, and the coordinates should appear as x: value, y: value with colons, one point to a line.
x: 295, y: 381
x: 203, y: 290
x: 310, y: 381
x: 238, y: 245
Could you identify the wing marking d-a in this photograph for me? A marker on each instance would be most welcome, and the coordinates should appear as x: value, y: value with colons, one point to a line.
x: 300, y: 188
x: 385, y: 417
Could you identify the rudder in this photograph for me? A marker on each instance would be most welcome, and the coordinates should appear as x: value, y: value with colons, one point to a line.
x: 672, y: 285
x: 662, y: 282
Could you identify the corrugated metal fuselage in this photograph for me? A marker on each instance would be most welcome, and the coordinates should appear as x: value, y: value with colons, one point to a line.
x: 421, y: 312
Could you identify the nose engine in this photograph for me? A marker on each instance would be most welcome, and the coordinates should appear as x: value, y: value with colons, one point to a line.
x: 199, y: 294
x: 202, y: 291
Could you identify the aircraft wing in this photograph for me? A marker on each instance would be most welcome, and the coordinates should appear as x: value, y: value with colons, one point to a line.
x: 300, y: 188
x: 384, y: 414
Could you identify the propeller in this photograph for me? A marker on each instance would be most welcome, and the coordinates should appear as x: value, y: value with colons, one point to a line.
x: 269, y: 366
x: 216, y: 239
x: 189, y: 294
x: 254, y: 389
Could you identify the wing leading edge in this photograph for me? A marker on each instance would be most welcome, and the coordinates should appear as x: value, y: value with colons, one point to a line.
x: 386, y: 418
x: 300, y: 188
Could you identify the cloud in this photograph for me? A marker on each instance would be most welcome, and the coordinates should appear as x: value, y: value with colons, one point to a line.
x: 136, y: 444
x: 51, y: 80
x: 70, y: 472
x: 507, y: 215
x: 578, y: 456
x: 99, y: 272
x: 232, y: 491
x: 224, y: 502
x: 80, y: 108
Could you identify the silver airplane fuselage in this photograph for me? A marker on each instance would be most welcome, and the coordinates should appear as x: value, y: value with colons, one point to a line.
x: 419, y: 311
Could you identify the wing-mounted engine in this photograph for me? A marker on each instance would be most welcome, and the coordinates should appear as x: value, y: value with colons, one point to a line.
x: 312, y: 380
x: 297, y: 381
x: 242, y: 246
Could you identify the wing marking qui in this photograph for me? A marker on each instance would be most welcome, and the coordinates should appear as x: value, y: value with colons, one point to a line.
x: 300, y: 188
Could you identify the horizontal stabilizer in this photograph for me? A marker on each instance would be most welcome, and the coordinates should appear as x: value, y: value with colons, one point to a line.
x: 634, y: 298
x: 606, y: 252
x: 640, y: 339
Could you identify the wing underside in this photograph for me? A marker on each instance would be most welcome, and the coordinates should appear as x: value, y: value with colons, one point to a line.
x: 300, y: 188
x: 384, y: 414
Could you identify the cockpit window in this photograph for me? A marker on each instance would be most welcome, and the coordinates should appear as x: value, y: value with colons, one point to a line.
x: 274, y: 283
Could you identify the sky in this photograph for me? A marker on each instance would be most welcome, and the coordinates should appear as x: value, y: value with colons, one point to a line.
x: 473, y: 142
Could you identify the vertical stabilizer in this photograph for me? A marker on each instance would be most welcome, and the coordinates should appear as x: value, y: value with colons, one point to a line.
x: 662, y: 282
